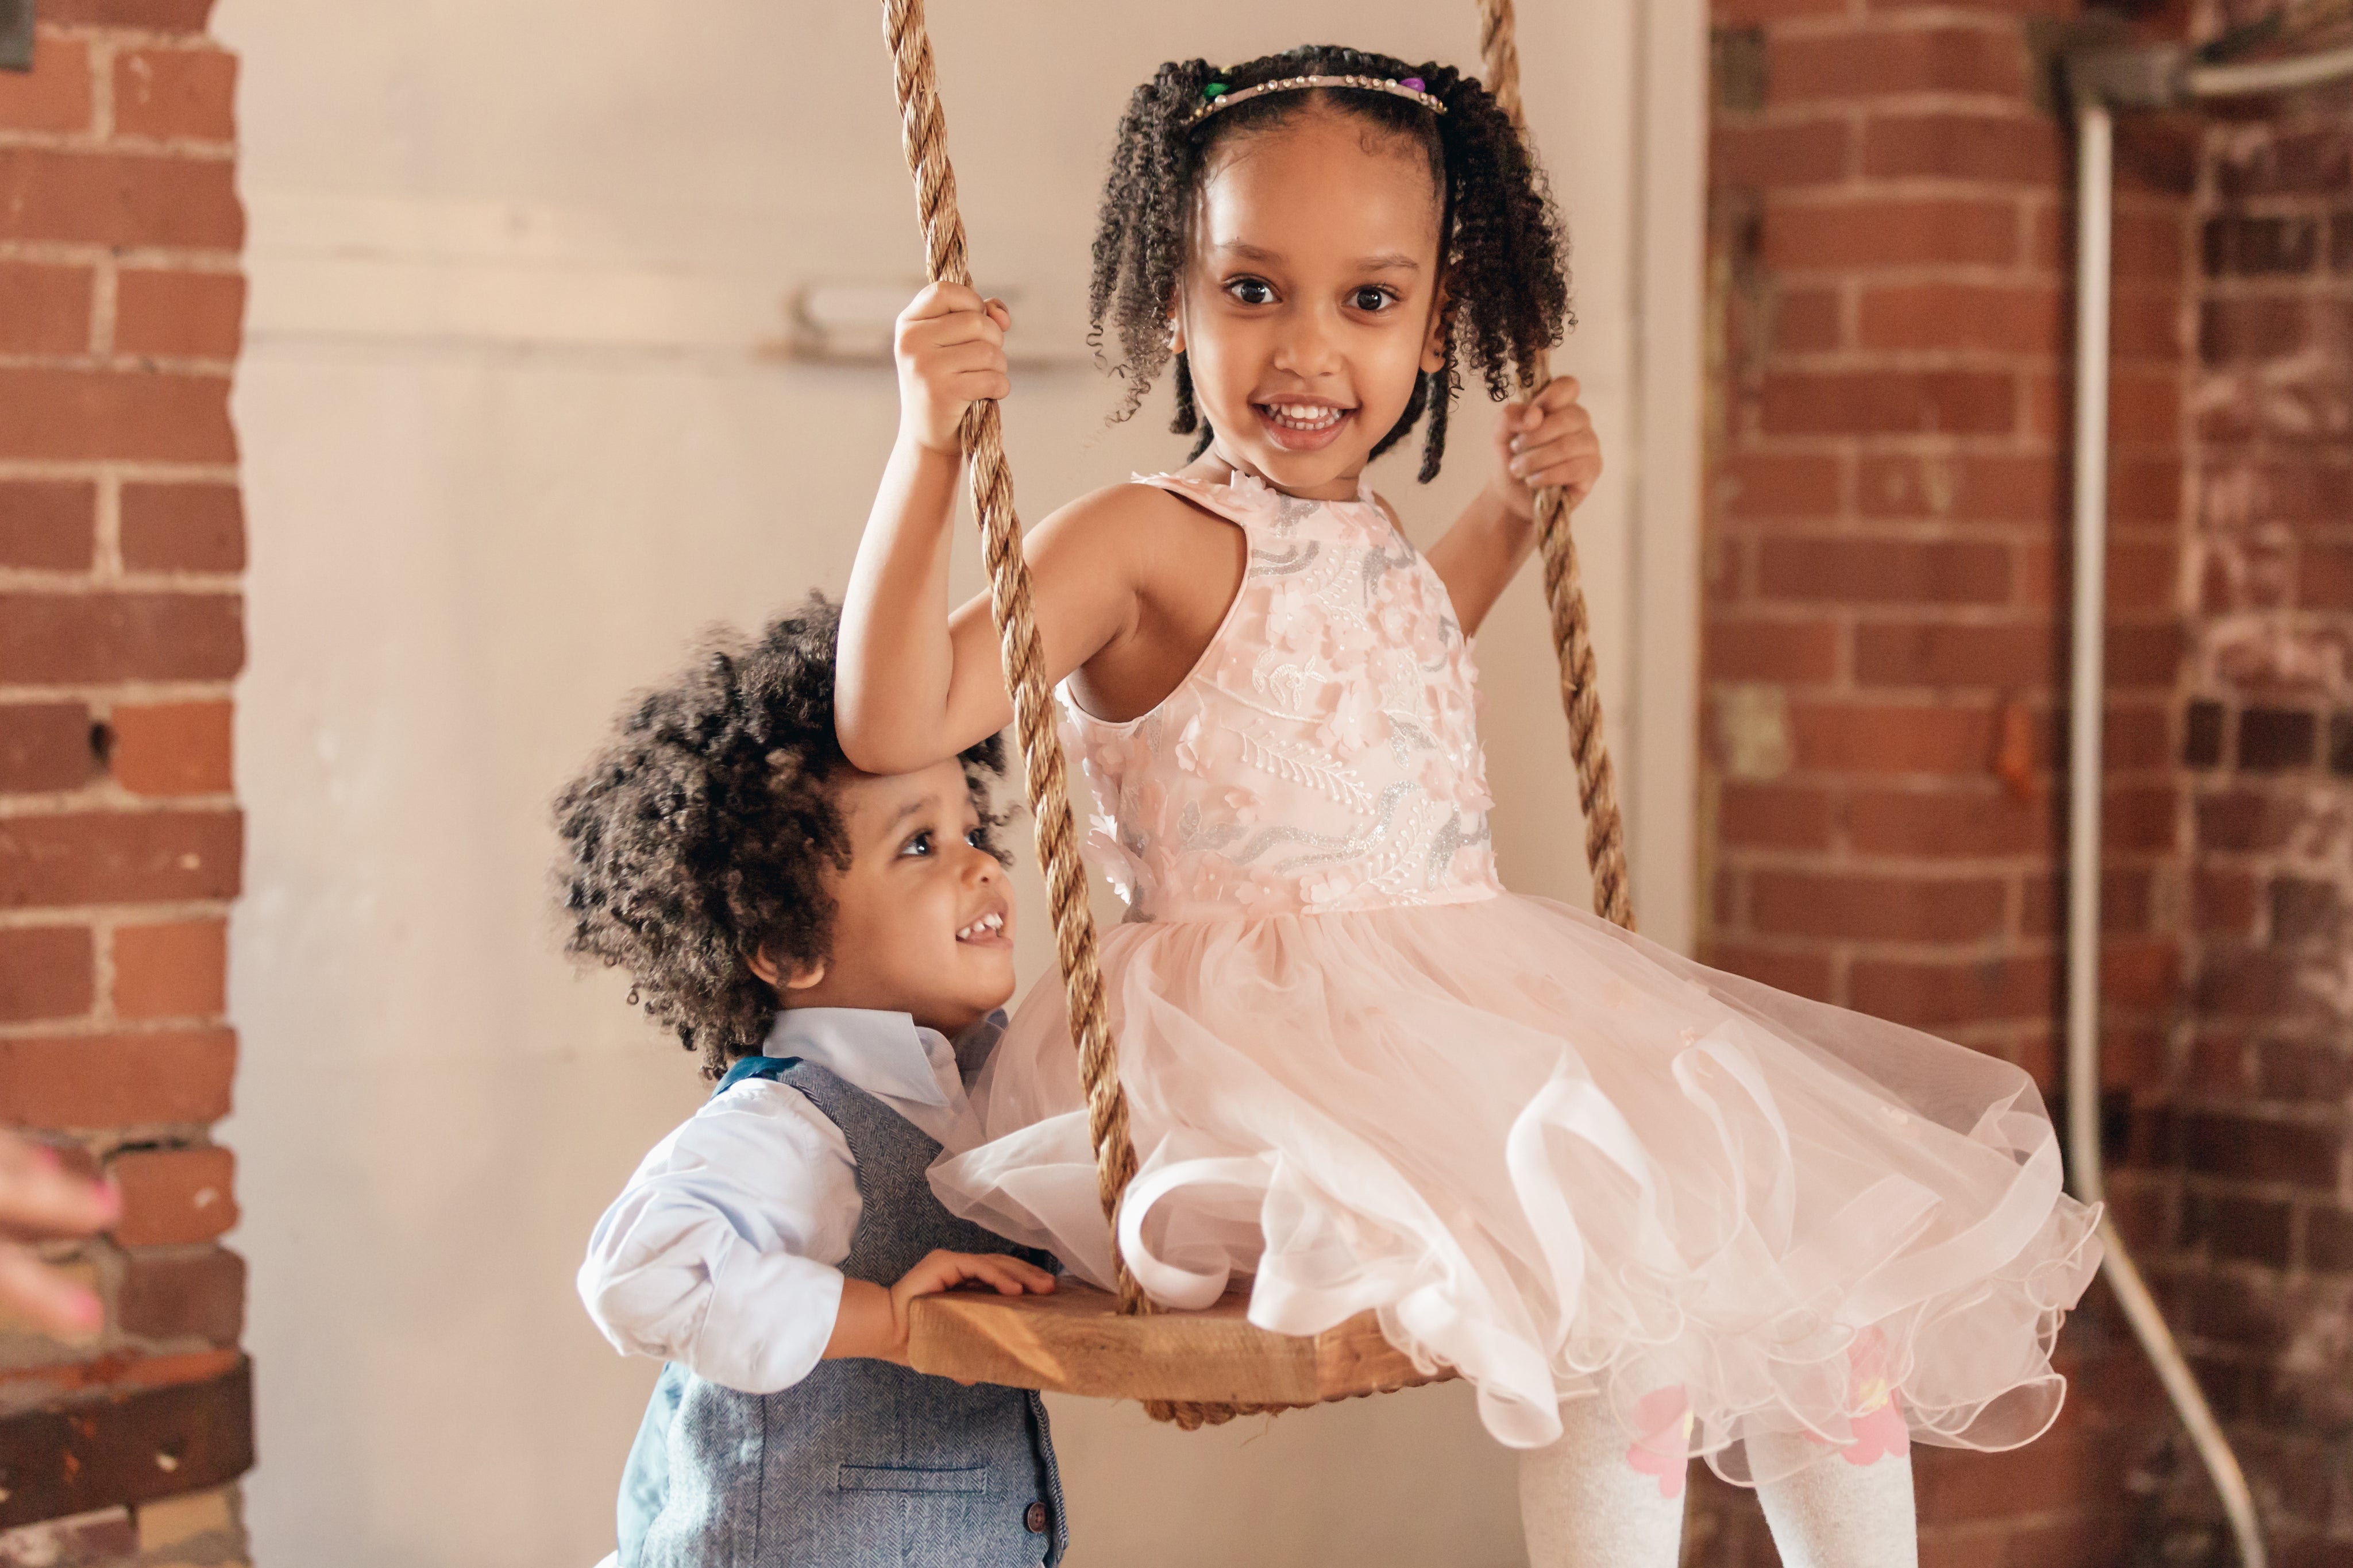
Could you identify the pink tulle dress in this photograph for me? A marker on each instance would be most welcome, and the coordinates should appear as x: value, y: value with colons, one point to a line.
x: 1550, y: 1154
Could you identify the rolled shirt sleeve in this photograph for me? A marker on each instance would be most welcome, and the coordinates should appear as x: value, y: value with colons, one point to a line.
x: 722, y: 1252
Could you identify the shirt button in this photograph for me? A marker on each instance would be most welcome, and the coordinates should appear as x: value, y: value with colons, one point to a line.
x: 1035, y: 1518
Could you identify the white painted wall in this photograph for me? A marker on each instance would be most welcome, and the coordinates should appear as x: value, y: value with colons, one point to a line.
x: 515, y: 429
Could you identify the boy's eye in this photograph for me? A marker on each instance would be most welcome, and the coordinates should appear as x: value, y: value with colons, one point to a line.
x: 1371, y: 298
x: 1251, y: 291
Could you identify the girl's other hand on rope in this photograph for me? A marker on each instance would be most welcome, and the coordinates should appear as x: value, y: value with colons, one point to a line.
x: 950, y: 346
x: 39, y: 1200
x: 1548, y: 442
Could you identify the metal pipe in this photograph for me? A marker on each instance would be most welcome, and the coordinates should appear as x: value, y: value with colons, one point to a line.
x: 2095, y: 163
x: 2095, y: 173
x: 2147, y: 77
x: 2258, y: 76
x: 2167, y: 76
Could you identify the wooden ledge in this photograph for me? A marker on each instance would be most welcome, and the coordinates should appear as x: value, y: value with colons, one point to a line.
x: 1077, y: 1341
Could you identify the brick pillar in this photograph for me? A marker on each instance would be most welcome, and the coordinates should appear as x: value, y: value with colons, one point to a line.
x: 121, y: 629
x: 1886, y: 578
x: 2264, y: 1278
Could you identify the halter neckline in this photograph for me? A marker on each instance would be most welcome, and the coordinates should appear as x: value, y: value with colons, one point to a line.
x: 1247, y: 483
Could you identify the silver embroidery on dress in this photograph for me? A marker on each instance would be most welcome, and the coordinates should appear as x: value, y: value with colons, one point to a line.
x: 1449, y: 841
x: 1289, y: 511
x: 1282, y: 563
x: 1407, y: 736
x: 1377, y: 561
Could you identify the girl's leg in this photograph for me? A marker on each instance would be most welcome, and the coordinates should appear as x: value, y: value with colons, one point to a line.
x: 1834, y: 1514
x: 1583, y: 1505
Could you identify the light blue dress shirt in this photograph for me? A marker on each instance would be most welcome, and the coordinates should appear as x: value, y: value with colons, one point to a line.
x: 722, y: 1252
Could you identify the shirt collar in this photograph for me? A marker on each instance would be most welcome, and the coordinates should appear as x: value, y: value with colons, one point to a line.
x: 912, y: 1070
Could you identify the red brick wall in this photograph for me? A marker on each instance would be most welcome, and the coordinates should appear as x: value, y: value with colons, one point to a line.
x: 121, y: 629
x: 2263, y: 1274
x: 1884, y: 647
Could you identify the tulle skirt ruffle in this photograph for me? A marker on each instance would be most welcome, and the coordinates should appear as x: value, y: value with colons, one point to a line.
x: 1565, y: 1162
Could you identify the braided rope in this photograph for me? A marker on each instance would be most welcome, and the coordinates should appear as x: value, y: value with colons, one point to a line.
x: 923, y: 136
x: 1572, y: 637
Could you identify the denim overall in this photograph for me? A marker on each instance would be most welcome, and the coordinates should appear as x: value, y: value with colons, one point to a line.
x: 861, y: 1462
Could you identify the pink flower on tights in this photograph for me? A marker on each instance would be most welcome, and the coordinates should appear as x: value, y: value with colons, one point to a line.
x: 1662, y: 1420
x: 1878, y: 1421
x: 1879, y: 1430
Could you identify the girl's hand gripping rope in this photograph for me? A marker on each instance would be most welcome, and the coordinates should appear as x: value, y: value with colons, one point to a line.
x: 1548, y: 442
x: 950, y: 345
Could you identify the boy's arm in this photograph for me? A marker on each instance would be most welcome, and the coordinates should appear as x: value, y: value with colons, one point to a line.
x: 1480, y: 554
x: 914, y: 683
x: 721, y: 1254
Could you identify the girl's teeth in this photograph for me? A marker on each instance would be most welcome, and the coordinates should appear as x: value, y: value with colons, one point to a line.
x: 986, y: 925
x: 1304, y: 417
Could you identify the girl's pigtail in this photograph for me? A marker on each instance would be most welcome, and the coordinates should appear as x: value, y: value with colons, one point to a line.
x: 1139, y: 241
x: 1404, y: 425
x: 1188, y: 417
x: 1509, y: 262
x: 1442, y: 398
x: 1444, y: 83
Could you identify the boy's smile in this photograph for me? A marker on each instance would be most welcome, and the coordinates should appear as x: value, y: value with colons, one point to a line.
x: 1310, y: 299
x: 922, y: 920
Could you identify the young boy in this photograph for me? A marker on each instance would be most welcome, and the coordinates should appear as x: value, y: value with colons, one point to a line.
x: 836, y: 945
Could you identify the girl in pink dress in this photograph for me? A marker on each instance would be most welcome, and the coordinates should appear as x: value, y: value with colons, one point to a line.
x: 1650, y: 1211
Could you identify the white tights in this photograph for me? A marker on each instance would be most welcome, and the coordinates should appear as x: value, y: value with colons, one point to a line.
x: 1583, y: 1505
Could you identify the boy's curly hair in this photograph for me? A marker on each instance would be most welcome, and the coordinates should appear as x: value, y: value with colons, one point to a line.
x: 703, y: 832
x: 1502, y: 254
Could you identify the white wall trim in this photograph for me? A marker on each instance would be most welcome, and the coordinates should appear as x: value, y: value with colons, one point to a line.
x: 1661, y: 789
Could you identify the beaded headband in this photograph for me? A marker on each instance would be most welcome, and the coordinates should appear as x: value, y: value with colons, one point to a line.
x: 1220, y: 97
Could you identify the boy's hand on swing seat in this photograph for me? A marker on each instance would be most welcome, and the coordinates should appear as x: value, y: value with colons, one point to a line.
x: 873, y: 1321
x: 950, y: 346
x: 1548, y: 442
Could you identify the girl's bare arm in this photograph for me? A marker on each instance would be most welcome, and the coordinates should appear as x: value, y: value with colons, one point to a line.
x: 916, y: 682
x: 1551, y: 444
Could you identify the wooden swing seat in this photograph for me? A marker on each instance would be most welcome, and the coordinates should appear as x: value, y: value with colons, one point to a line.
x: 1077, y: 1341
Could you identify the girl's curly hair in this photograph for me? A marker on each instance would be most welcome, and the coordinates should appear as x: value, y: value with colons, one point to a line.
x: 1502, y: 254
x: 701, y: 833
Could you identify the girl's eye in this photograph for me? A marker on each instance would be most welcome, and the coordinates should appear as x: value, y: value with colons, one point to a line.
x: 1251, y: 291
x: 1370, y: 297
x: 973, y: 838
x: 920, y: 844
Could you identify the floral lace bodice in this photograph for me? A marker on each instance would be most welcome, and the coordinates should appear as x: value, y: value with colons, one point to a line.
x: 1324, y: 754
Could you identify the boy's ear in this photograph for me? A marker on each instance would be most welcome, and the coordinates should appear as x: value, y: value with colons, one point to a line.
x: 802, y: 976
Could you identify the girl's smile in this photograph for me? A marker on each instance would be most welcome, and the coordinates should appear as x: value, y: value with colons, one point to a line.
x: 1302, y: 423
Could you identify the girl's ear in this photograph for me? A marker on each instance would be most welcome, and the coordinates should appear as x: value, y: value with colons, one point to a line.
x: 1176, y: 332
x: 1433, y: 345
x: 802, y: 976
